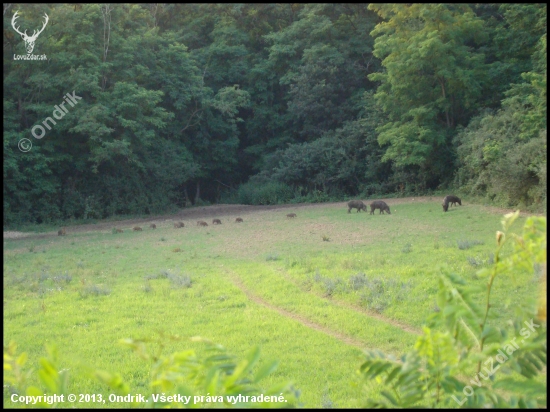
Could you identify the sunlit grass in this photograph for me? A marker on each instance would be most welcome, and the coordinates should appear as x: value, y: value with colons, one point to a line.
x: 317, y: 303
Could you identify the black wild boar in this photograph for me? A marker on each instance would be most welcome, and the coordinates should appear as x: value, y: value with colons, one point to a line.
x: 450, y: 199
x: 379, y: 204
x: 356, y: 204
x: 216, y: 222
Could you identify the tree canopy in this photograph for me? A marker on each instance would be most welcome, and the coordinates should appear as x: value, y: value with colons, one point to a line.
x: 187, y: 103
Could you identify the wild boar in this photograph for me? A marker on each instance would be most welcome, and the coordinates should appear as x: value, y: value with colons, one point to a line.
x: 379, y: 204
x: 450, y: 199
x: 356, y: 204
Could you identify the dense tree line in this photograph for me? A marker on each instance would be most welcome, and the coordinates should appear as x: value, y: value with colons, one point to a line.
x: 267, y: 103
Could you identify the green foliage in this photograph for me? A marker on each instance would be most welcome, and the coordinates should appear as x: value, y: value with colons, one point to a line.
x: 214, y: 372
x: 433, y: 78
x: 271, y: 193
x: 332, y: 100
x: 460, y: 338
x: 502, y: 154
x: 464, y: 244
x: 496, y: 163
x: 53, y: 379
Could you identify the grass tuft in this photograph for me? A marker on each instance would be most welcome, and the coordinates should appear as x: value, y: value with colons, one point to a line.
x: 467, y: 244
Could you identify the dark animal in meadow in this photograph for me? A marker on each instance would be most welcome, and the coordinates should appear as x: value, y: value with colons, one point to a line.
x: 153, y: 226
x: 379, y: 204
x: 216, y: 222
x: 119, y: 230
x: 238, y: 220
x: 177, y: 225
x: 452, y: 200
x: 202, y: 223
x: 291, y: 215
x: 137, y: 229
x: 356, y: 204
x: 62, y: 232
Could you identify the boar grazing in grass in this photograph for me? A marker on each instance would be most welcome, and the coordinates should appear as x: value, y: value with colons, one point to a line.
x: 202, y: 223
x: 119, y: 230
x: 62, y: 232
x: 137, y: 229
x: 356, y: 204
x: 452, y: 200
x: 445, y: 206
x: 216, y: 222
x: 153, y: 226
x: 177, y: 225
x: 291, y: 215
x: 238, y: 220
x: 379, y: 204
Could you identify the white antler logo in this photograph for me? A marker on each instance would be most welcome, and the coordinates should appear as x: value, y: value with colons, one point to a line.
x: 29, y: 40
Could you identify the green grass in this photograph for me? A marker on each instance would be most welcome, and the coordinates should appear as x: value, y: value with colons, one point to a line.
x: 311, y: 304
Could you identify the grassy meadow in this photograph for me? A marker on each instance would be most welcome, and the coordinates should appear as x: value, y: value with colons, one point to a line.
x: 313, y: 291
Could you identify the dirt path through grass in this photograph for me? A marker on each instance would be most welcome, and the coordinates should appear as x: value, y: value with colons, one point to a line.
x: 341, y: 337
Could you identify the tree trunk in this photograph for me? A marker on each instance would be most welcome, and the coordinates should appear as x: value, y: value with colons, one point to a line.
x: 187, y: 201
x: 441, y: 82
x: 198, y: 193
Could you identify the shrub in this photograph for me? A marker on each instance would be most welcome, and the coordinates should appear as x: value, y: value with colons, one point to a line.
x: 379, y: 293
x: 329, y: 285
x: 272, y: 256
x: 94, y: 290
x: 459, y: 338
x: 467, y: 244
x: 180, y: 281
x: 473, y: 261
x: 358, y: 281
x: 217, y: 373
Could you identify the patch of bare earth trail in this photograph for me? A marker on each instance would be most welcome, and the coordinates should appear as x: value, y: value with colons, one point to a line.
x: 306, y: 322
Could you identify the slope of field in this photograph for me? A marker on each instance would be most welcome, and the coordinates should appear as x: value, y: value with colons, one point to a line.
x: 313, y: 291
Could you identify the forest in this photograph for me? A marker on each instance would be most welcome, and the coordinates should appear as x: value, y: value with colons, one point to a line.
x: 146, y: 108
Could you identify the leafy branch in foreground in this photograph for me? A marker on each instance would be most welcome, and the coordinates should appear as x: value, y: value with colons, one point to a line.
x: 460, y: 341
x: 181, y: 379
